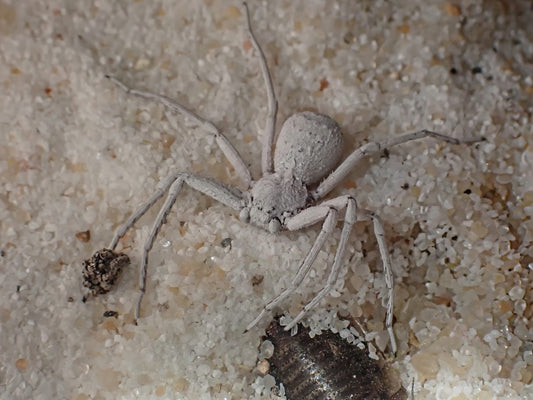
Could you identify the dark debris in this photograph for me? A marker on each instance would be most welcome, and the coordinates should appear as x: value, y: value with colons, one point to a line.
x: 328, y: 367
x: 110, y: 313
x: 101, y: 271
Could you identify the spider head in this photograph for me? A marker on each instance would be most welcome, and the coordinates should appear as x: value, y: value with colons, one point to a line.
x: 272, y: 199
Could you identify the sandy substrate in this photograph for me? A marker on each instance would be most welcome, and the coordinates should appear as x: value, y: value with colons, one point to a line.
x: 78, y: 155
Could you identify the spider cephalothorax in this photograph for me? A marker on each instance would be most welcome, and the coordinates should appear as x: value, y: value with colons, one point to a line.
x: 273, y: 199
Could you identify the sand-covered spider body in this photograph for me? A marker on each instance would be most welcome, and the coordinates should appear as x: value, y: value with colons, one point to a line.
x: 289, y: 195
x: 308, y: 147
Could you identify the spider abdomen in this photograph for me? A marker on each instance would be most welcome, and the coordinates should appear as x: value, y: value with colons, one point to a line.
x: 309, y: 147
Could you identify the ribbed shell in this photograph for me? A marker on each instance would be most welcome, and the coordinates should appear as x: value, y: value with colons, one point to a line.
x: 327, y: 367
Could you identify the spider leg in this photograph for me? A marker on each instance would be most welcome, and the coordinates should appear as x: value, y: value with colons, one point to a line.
x: 215, y: 189
x: 270, y: 126
x: 330, y: 220
x: 309, y: 216
x: 121, y: 231
x: 349, y: 220
x: 349, y: 163
x: 158, y: 223
x: 379, y: 232
x: 223, y: 142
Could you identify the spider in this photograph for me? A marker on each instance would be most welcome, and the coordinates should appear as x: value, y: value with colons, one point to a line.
x: 304, y: 167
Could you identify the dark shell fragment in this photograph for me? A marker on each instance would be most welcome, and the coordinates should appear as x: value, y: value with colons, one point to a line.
x: 327, y: 367
x: 101, y: 271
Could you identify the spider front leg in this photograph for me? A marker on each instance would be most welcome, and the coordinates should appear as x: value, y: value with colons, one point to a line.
x: 102, y: 270
x: 327, y: 212
x: 315, y: 215
x: 349, y: 221
x: 379, y: 232
x: 121, y: 231
x: 215, y: 189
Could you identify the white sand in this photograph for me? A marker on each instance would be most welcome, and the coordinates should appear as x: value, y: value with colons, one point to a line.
x: 78, y: 154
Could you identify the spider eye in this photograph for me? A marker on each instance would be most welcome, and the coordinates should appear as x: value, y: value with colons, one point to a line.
x: 274, y: 225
